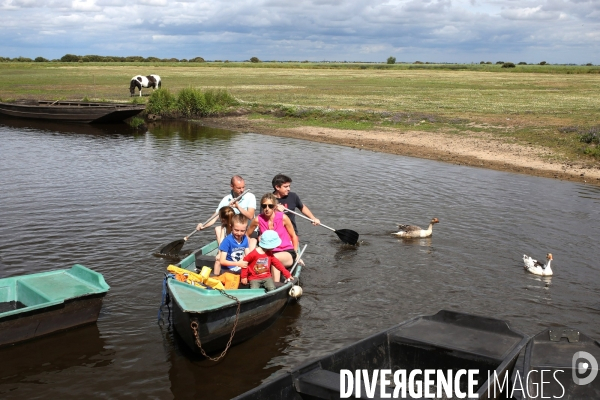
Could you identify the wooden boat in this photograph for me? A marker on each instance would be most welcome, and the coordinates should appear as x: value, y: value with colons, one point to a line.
x: 215, y: 314
x: 557, y: 357
x: 39, y: 304
x: 72, y: 111
x: 445, y: 341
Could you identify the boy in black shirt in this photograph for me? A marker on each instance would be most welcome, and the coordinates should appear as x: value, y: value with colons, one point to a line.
x: 281, y: 185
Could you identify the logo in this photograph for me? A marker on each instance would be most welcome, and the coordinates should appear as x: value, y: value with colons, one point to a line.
x: 584, y: 363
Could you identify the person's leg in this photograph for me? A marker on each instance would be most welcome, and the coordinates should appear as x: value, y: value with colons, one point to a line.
x: 217, y: 266
x: 269, y: 284
x: 255, y: 284
x: 286, y: 259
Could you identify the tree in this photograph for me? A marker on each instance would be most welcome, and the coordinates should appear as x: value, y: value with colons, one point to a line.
x: 40, y: 59
x: 254, y: 60
x: 197, y: 59
x: 391, y: 60
x: 543, y: 63
x: 508, y: 65
x: 69, y: 58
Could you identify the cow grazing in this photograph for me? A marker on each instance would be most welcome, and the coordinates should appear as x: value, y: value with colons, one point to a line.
x: 139, y: 81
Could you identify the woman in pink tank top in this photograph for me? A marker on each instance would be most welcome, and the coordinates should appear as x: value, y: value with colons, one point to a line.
x: 270, y: 219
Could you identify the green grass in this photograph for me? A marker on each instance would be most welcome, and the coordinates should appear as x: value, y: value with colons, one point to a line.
x: 529, y: 104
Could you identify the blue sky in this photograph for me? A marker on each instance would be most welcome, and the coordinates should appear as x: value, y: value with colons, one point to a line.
x: 556, y: 31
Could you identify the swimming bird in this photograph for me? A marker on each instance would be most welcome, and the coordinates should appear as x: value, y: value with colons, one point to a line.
x: 412, y: 231
x: 536, y: 267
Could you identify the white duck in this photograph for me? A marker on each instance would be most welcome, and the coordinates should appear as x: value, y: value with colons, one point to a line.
x: 412, y: 231
x: 536, y: 267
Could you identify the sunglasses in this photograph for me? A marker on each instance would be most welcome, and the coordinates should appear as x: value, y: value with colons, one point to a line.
x: 271, y: 206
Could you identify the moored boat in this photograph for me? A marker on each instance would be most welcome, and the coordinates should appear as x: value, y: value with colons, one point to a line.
x: 42, y: 303
x: 71, y: 111
x: 560, y: 363
x: 205, y: 318
x: 449, y: 343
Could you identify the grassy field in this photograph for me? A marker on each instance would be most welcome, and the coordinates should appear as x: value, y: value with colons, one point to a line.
x: 553, y: 106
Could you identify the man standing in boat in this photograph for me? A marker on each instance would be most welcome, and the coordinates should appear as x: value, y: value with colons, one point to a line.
x: 245, y: 206
x: 290, y: 200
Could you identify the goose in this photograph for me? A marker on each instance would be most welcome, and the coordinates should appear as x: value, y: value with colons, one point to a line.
x: 412, y: 231
x: 536, y: 267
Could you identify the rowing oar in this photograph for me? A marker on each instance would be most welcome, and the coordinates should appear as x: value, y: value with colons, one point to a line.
x: 175, y: 247
x: 346, y: 235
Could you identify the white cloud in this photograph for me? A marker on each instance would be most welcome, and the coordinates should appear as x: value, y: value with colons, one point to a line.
x: 369, y: 30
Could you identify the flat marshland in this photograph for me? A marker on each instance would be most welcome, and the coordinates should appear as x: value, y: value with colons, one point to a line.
x: 536, y: 119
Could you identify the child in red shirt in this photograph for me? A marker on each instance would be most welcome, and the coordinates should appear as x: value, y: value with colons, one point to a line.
x: 260, y: 260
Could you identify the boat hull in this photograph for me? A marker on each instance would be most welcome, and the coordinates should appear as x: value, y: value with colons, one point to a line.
x: 56, y: 318
x: 214, y: 328
x: 71, y: 111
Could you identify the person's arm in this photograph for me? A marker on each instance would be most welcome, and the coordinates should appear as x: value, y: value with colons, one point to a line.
x: 250, y: 202
x: 244, y: 273
x: 223, y: 203
x: 252, y: 227
x: 305, y: 210
x: 290, y: 229
x: 249, y: 213
x: 225, y: 262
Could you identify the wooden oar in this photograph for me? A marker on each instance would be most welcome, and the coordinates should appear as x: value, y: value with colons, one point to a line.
x: 346, y: 235
x: 175, y: 246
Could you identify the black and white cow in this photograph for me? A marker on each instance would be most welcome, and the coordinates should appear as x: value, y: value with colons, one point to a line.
x: 139, y: 81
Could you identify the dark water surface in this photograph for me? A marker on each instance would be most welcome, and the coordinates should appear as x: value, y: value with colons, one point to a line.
x: 107, y: 198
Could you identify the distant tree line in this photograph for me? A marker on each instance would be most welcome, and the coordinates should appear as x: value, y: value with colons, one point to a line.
x: 95, y: 58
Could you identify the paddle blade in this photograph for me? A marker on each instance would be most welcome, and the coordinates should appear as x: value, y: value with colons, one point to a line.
x: 347, y: 236
x: 173, y: 247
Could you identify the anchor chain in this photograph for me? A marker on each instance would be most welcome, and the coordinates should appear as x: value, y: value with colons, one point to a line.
x: 194, y: 326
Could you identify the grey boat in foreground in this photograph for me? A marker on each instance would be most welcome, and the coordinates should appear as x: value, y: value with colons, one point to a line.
x: 71, y: 111
x: 448, y: 341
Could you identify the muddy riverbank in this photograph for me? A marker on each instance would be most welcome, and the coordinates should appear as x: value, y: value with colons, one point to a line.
x: 477, y: 149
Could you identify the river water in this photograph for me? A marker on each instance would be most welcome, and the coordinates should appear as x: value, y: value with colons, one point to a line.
x: 107, y: 197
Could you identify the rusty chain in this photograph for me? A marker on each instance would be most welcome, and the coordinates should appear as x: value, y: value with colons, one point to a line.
x: 194, y: 326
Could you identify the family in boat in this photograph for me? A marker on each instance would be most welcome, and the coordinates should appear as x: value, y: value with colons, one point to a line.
x: 259, y: 248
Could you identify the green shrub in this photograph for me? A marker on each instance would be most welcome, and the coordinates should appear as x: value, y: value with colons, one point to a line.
x: 508, y: 65
x: 391, y: 60
x: 197, y: 59
x: 522, y: 63
x: 254, y: 60
x: 190, y: 102
x: 161, y: 102
x: 543, y: 63
x: 40, y: 59
x: 136, y: 122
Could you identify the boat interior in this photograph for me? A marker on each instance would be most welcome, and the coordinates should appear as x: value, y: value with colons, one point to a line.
x: 30, y: 292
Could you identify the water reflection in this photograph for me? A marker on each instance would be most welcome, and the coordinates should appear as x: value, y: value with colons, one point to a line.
x: 245, y: 366
x: 54, y: 127
x: 42, y: 359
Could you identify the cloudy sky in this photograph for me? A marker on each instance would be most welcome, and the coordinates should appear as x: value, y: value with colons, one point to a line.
x: 556, y: 31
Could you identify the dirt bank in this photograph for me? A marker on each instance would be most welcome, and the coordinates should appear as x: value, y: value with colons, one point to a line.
x: 475, y: 150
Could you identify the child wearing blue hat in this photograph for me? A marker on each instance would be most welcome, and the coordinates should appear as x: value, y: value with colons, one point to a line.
x: 258, y: 272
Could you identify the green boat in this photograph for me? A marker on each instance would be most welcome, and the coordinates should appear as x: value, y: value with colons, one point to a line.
x: 38, y: 304
x: 208, y: 320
